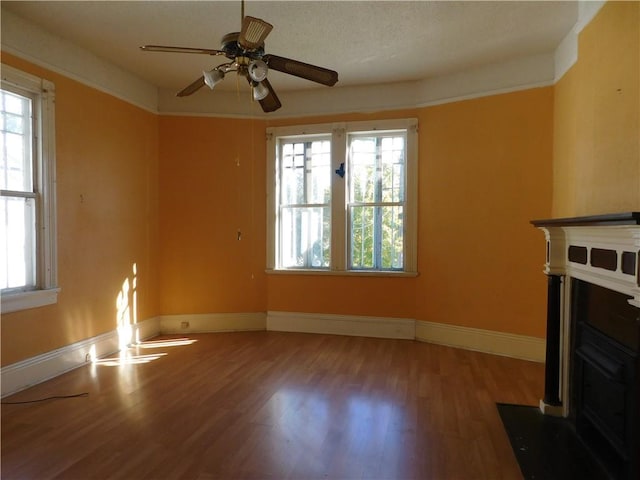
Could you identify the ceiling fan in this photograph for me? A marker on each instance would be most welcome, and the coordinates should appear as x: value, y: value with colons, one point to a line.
x: 246, y: 51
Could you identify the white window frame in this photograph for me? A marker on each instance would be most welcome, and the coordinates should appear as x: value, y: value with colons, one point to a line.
x: 339, y: 242
x: 43, y: 92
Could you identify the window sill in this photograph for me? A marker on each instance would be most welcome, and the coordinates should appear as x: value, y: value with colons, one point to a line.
x: 14, y: 302
x: 341, y: 273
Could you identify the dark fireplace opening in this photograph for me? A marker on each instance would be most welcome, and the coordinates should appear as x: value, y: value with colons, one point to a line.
x: 605, y: 374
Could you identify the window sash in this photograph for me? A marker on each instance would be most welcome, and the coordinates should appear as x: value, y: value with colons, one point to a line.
x: 20, y: 202
x: 304, y: 221
x: 376, y: 174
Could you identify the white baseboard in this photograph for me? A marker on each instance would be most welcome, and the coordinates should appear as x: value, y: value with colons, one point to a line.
x: 34, y: 370
x: 29, y: 372
x: 212, y: 322
x: 487, y: 341
x: 380, y: 327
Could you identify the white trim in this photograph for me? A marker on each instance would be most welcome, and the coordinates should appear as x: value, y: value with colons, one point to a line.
x: 358, y: 326
x: 34, y: 370
x: 553, y: 410
x: 29, y: 372
x: 47, y: 181
x: 521, y: 74
x: 566, y: 53
x: 487, y: 341
x: 30, y: 42
x: 213, y: 322
x: 341, y: 273
x: 13, y: 302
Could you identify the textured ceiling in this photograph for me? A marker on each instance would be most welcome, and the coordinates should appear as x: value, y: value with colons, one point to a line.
x: 370, y: 42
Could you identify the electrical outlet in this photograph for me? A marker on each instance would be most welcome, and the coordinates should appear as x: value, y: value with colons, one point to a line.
x: 184, y: 325
x: 87, y: 357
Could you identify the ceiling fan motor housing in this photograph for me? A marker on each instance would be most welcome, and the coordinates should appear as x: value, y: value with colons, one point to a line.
x: 232, y: 49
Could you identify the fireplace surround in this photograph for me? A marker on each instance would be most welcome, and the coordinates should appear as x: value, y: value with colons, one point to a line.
x: 592, y: 372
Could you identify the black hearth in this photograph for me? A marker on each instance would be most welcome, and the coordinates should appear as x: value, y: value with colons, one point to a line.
x: 604, y: 377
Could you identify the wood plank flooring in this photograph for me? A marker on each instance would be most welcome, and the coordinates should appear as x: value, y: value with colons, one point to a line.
x: 270, y: 405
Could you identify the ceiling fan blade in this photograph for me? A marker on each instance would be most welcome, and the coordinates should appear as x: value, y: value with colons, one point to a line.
x: 192, y: 88
x: 163, y: 48
x: 253, y: 33
x: 271, y: 102
x: 302, y: 70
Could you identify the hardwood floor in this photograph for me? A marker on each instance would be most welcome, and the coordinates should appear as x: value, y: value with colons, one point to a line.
x: 273, y: 405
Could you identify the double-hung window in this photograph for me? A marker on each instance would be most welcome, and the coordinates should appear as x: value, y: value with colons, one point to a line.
x: 27, y: 191
x: 342, y: 198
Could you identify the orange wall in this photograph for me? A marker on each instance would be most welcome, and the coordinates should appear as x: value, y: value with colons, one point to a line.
x: 597, y: 118
x: 170, y: 194
x: 212, y: 185
x: 485, y: 172
x: 107, y: 189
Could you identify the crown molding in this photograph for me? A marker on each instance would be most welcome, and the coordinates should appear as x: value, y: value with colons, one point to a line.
x: 34, y: 44
x: 30, y: 42
x: 566, y: 53
x: 519, y: 74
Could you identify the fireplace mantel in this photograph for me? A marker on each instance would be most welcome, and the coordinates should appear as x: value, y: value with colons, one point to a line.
x: 603, y: 250
x: 599, y: 249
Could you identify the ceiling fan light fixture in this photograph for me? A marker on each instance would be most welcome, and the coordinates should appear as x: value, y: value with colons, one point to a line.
x: 260, y: 91
x: 213, y: 77
x: 258, y: 70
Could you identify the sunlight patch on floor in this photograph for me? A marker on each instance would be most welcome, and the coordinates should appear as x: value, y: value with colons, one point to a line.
x: 127, y: 359
x: 170, y: 342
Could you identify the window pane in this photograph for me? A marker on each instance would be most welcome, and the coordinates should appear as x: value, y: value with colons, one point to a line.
x: 15, y: 142
x: 363, y: 170
x: 377, y: 237
x: 305, y: 237
x: 392, y: 157
x: 392, y: 230
x: 319, y: 172
x: 363, y: 237
x: 293, y: 173
x: 17, y: 243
